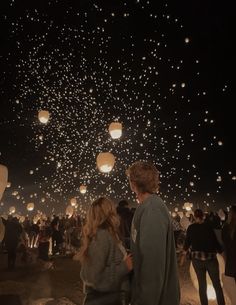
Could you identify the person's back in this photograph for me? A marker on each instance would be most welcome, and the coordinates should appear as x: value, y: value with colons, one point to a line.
x: 155, y: 280
x: 203, y: 238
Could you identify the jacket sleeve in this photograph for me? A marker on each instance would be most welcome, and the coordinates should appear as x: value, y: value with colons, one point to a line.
x: 152, y: 244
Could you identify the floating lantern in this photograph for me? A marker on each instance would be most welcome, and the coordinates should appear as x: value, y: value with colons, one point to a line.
x: 115, y: 130
x: 69, y: 211
x: 12, y: 210
x: 8, y: 184
x: 105, y: 162
x: 22, y: 219
x: 30, y: 206
x: 210, y: 289
x: 188, y: 206
x: 83, y: 189
x: 73, y: 202
x: 43, y: 116
x: 3, y: 179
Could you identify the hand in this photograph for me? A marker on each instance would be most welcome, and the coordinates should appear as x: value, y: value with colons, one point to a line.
x: 129, y: 262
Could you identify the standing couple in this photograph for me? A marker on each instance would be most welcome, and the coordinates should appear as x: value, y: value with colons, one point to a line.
x: 107, y: 269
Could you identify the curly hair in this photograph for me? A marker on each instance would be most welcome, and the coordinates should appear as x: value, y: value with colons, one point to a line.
x: 102, y: 214
x: 145, y: 176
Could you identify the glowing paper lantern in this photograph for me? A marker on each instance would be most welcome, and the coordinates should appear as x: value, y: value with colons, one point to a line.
x: 83, y: 189
x: 115, y: 130
x: 69, y: 211
x: 43, y: 116
x: 188, y: 206
x: 73, y: 202
x: 3, y: 179
x: 105, y: 162
x: 8, y: 184
x: 12, y: 210
x: 210, y: 290
x: 30, y: 206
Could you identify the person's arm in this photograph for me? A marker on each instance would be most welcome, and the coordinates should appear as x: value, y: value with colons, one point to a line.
x: 152, y: 245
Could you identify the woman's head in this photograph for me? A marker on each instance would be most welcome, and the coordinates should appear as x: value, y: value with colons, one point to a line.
x: 101, y: 215
x: 143, y: 177
x: 198, y: 214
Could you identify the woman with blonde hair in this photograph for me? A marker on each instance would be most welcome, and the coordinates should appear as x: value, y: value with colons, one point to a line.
x: 105, y: 264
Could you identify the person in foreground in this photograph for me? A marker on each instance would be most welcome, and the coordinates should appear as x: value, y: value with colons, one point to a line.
x: 105, y: 264
x: 155, y: 279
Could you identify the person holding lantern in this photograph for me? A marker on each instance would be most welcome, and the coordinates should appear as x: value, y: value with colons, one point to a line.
x: 155, y: 278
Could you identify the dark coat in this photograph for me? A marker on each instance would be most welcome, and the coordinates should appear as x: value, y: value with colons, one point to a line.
x: 230, y: 251
x: 155, y: 279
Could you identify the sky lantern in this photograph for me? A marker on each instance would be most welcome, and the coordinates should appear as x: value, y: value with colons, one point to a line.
x: 12, y: 210
x: 3, y: 179
x: 73, y: 202
x: 105, y: 162
x: 8, y: 184
x: 115, y: 130
x: 43, y: 116
x: 83, y: 189
x: 69, y: 211
x: 188, y: 206
x: 30, y: 206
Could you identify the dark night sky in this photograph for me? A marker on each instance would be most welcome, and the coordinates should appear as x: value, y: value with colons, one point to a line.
x: 53, y: 52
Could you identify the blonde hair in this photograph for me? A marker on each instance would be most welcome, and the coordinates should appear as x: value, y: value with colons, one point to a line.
x: 145, y: 176
x: 102, y: 214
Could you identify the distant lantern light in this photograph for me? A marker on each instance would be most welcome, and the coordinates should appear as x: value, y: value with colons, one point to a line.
x: 83, y: 189
x: 176, y: 209
x: 174, y: 214
x: 105, y: 162
x: 115, y: 130
x: 186, y: 40
x: 188, y: 206
x: 73, y: 202
x: 30, y: 206
x: 8, y: 184
x: 183, y: 85
x: 12, y: 210
x: 69, y: 210
x: 3, y: 179
x: 43, y: 116
x: 234, y: 178
x: 220, y: 143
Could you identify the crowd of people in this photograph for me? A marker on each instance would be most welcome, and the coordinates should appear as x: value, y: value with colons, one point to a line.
x: 129, y: 256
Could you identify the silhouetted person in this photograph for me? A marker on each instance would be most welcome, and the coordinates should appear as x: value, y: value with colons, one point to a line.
x: 125, y: 222
x: 12, y: 236
x: 204, y: 246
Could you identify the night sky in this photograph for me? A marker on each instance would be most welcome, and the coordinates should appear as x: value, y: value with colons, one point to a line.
x: 164, y: 70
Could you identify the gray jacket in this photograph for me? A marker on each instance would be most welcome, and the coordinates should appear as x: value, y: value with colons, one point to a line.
x: 105, y: 269
x: 155, y: 280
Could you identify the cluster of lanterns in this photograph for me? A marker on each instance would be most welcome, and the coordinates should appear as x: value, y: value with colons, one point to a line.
x: 106, y: 160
